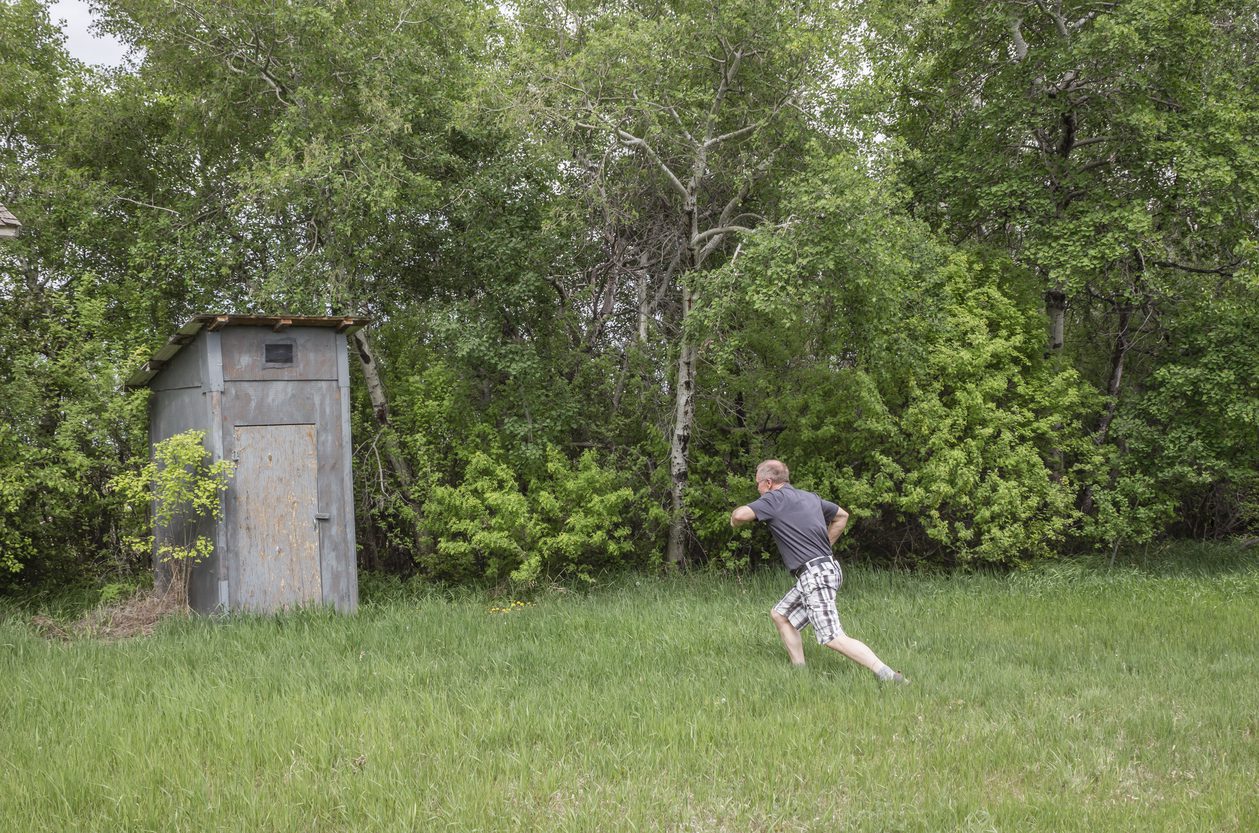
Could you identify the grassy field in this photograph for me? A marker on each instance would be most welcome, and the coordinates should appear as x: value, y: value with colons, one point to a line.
x: 1067, y: 698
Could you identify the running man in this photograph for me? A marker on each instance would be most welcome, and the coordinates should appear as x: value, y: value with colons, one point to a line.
x: 805, y: 527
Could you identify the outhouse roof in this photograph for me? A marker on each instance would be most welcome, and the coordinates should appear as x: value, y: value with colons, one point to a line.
x: 213, y: 323
x: 9, y: 224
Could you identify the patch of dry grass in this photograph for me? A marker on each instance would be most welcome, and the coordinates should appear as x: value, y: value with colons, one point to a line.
x: 137, y: 615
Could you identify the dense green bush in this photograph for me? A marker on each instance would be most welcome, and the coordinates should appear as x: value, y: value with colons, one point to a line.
x: 920, y: 401
x: 481, y: 528
x: 183, y: 485
x: 584, y: 519
x: 65, y: 429
x: 1192, y: 436
x: 576, y: 519
x: 970, y: 457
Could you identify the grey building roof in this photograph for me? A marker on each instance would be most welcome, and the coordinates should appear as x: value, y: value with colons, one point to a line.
x: 9, y: 224
x: 278, y: 323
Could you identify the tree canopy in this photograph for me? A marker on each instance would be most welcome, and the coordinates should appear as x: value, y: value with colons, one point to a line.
x: 984, y: 273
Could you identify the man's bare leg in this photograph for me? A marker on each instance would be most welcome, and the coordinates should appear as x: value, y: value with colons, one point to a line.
x: 860, y: 653
x: 790, y: 637
x: 856, y: 650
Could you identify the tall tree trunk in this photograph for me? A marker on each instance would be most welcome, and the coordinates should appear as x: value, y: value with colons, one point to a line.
x: 680, y: 439
x: 388, y: 441
x: 641, y: 305
x: 1056, y: 306
x: 380, y: 406
x: 1123, y: 342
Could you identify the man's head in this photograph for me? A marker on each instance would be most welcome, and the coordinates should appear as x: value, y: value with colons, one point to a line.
x: 770, y: 475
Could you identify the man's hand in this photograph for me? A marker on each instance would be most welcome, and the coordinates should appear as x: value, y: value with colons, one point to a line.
x: 837, y: 525
x: 742, y: 516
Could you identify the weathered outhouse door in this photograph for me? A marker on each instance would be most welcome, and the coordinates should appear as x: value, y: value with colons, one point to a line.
x: 276, y: 495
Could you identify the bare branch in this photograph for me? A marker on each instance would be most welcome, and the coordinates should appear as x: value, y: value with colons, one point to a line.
x: 1055, y: 13
x: 742, y: 131
x: 223, y: 46
x: 630, y: 140
x: 1100, y: 163
x: 672, y: 111
x: 1226, y: 271
x: 1020, y: 45
x: 729, y: 70
x: 719, y: 230
x: 146, y: 205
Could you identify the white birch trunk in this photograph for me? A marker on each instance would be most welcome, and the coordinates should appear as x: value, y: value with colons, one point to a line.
x: 380, y: 407
x: 680, y: 440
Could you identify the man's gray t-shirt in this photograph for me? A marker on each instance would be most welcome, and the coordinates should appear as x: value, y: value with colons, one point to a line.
x: 798, y: 521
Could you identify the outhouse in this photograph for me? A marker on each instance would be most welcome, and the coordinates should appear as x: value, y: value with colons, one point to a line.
x: 271, y: 394
x: 9, y: 225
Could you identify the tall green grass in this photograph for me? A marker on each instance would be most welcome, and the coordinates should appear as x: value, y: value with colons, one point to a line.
x: 1062, y: 699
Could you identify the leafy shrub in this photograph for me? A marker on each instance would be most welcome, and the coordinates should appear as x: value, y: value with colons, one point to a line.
x: 1192, y: 435
x: 185, y: 487
x: 582, y: 518
x: 577, y: 518
x: 905, y: 379
x: 969, y: 459
x: 951, y: 453
x: 481, y: 528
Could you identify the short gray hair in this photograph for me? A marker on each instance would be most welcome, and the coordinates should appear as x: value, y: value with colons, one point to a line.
x: 774, y: 470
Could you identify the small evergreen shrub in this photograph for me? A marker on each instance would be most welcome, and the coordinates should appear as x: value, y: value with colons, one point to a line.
x: 582, y: 520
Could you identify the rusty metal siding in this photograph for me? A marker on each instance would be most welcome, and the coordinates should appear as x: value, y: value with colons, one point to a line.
x: 275, y: 529
x: 244, y: 354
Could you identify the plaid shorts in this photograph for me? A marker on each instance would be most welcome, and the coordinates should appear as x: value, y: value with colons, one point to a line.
x: 812, y: 601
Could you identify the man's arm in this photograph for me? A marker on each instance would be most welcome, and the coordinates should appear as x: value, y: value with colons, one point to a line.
x: 742, y: 516
x: 837, y: 524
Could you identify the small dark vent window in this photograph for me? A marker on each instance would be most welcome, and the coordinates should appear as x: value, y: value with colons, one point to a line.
x: 277, y: 354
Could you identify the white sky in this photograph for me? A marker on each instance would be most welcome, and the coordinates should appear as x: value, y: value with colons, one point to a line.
x: 91, y: 48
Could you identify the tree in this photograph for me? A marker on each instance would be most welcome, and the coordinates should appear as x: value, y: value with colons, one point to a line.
x: 63, y: 429
x: 899, y: 374
x: 682, y: 115
x: 323, y: 155
x: 1106, y: 146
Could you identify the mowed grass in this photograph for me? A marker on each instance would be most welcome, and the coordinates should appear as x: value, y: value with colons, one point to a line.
x: 1062, y: 699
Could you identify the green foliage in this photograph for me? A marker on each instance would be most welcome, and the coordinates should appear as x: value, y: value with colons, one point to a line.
x: 920, y: 400
x: 577, y: 519
x: 481, y: 527
x: 857, y: 241
x: 64, y: 430
x: 116, y: 591
x: 1193, y: 460
x: 1110, y: 150
x: 184, y: 486
x: 970, y: 457
x: 584, y: 517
